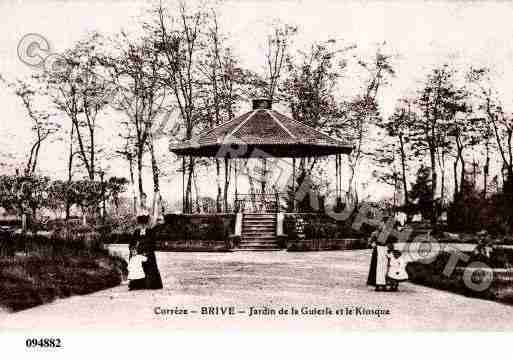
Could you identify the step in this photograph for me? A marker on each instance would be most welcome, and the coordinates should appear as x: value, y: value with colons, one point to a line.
x: 259, y: 240
x: 259, y: 215
x: 259, y: 220
x: 265, y: 219
x: 258, y: 230
x: 258, y: 235
x: 257, y: 249
x: 259, y: 224
x: 254, y: 243
x: 258, y: 245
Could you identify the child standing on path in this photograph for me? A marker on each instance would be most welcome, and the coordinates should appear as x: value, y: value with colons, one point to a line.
x: 396, y: 269
x: 136, y: 276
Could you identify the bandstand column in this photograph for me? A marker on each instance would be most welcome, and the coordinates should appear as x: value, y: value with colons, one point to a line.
x: 336, y: 177
x: 225, y: 184
x: 183, y: 184
x: 236, y: 163
x: 293, y: 183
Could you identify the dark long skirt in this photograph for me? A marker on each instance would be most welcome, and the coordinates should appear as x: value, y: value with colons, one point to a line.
x: 151, y: 270
x: 136, y: 284
x: 371, y: 279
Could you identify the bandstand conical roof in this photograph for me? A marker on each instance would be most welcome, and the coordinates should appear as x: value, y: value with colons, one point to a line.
x: 262, y: 132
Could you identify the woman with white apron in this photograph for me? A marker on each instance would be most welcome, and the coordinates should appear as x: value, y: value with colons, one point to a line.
x: 381, y: 266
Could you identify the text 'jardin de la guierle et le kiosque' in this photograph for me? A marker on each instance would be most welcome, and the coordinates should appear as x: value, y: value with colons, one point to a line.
x: 267, y: 311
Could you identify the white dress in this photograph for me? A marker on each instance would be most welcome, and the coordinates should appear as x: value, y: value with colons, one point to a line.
x: 397, y: 269
x: 135, y: 268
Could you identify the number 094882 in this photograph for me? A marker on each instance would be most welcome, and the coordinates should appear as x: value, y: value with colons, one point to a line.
x: 43, y: 343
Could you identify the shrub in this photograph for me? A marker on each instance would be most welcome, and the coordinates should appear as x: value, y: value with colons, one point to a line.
x: 195, y: 233
x: 289, y: 228
x: 327, y: 244
x: 431, y: 274
x: 180, y: 227
x: 472, y: 212
x: 51, y: 268
x: 318, y: 226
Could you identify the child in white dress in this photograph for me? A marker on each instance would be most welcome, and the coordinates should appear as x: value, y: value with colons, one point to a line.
x: 396, y: 269
x: 136, y: 276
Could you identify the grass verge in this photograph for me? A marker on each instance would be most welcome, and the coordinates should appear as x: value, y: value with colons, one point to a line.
x: 500, y: 287
x: 50, y: 269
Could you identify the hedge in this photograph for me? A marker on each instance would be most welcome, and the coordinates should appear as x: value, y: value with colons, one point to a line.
x: 501, y: 288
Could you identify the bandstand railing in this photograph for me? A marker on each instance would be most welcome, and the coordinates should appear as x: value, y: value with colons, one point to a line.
x: 258, y: 202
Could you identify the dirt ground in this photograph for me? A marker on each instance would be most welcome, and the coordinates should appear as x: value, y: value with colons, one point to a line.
x: 327, y: 289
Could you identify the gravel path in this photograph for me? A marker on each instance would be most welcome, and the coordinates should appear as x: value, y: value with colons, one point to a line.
x: 313, y: 280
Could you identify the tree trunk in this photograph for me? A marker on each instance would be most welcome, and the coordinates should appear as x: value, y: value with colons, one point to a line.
x: 403, y: 169
x: 70, y: 174
x: 226, y: 183
x: 442, y: 184
x: 219, y: 207
x: 139, y: 175
x: 455, y: 173
x: 196, y: 189
x: 432, y: 153
x: 155, y: 170
x: 251, y: 185
x: 34, y: 212
x: 462, y: 176
x: 92, y: 155
x: 485, y: 170
x: 188, y: 191
x: 156, y: 181
x: 132, y: 182
x: 509, y: 194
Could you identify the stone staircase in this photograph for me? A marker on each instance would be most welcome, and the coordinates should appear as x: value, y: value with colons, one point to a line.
x: 258, y: 232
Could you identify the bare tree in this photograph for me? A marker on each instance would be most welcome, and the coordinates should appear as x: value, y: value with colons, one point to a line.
x: 141, y: 96
x: 499, y: 122
x: 180, y: 41
x: 362, y: 112
x: 224, y: 79
x: 440, y: 103
x: 310, y: 89
x: 278, y: 44
x: 42, y: 126
x: 397, y: 126
x: 78, y: 89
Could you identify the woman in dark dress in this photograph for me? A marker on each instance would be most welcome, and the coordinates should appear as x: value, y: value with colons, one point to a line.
x: 147, y: 247
x: 371, y: 279
x: 153, y: 279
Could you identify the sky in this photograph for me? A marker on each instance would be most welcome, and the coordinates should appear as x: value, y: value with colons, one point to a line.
x: 419, y: 34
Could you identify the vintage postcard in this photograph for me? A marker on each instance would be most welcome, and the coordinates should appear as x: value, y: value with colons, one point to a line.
x: 289, y: 166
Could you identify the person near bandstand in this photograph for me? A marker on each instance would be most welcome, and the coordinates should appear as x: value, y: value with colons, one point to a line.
x: 371, y: 279
x: 379, y: 262
x: 146, y: 246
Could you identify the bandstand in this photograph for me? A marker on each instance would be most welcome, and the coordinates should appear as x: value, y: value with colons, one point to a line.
x: 264, y: 134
